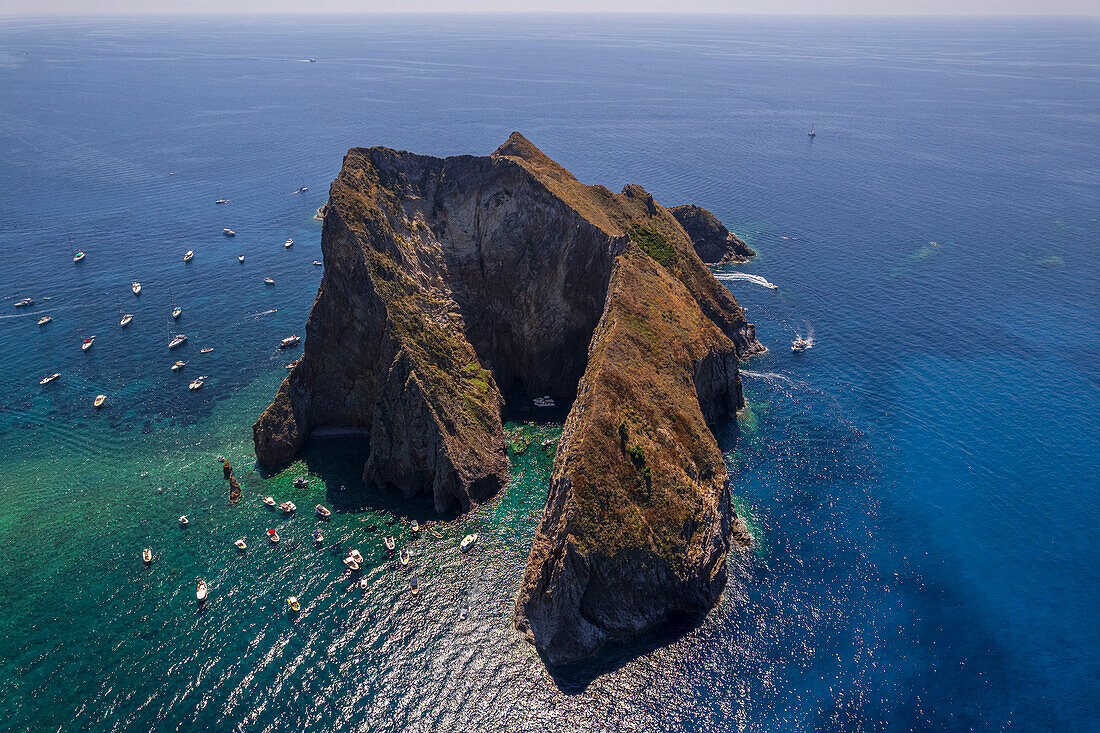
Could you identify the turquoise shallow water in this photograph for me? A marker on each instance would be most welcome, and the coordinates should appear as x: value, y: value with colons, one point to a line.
x: 920, y: 484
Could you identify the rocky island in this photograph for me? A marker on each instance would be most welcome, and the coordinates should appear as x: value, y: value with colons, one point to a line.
x: 454, y: 291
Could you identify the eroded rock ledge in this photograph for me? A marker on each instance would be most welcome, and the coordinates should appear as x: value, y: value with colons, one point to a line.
x: 456, y: 287
x: 713, y: 242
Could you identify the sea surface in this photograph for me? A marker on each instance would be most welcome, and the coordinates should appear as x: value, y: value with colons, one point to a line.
x: 922, y: 484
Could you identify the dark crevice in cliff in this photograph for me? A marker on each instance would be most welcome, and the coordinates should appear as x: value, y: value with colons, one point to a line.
x: 457, y: 290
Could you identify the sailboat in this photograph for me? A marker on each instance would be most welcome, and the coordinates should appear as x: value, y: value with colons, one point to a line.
x: 123, y: 318
x: 135, y: 286
x: 77, y: 256
x: 812, y: 133
x: 175, y: 341
x: 176, y: 310
x: 220, y: 200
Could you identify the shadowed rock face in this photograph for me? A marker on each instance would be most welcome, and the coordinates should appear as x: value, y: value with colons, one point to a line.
x: 713, y: 242
x: 454, y: 287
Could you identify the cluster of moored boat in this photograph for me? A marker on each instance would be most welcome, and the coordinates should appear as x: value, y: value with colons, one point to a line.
x: 354, y: 560
x: 174, y: 340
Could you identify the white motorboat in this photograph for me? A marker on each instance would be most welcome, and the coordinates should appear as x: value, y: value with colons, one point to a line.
x: 464, y: 611
x: 800, y: 344
x: 268, y: 281
x: 176, y: 313
x: 77, y: 256
x: 318, y: 263
x: 207, y: 350
x: 300, y: 482
x: 303, y: 189
x: 467, y: 542
x: 183, y: 520
x: 356, y: 556
x: 289, y: 341
x: 126, y: 319
x: 147, y: 555
x: 24, y: 302
x: 135, y: 287
x: 415, y: 526
x: 197, y: 383
x: 318, y: 538
x: 178, y: 365
x: 404, y: 558
x: 364, y: 583
x: 269, y: 500
x: 99, y: 400
x: 351, y: 563
x: 288, y: 507
x: 190, y: 255
x: 44, y: 320
x: 47, y: 379
x: 288, y: 243
x: 241, y: 544
x: 229, y: 232
x: 87, y: 343
x: 178, y: 340
x: 222, y: 201
x: 201, y: 591
x: 323, y: 511
x: 390, y: 543
x: 240, y: 258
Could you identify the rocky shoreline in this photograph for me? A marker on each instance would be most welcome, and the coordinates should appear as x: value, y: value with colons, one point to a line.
x: 456, y: 287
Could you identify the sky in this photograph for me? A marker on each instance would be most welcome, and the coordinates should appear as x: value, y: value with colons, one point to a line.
x: 814, y: 7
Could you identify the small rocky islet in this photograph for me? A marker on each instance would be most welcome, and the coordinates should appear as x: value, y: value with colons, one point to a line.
x: 455, y: 291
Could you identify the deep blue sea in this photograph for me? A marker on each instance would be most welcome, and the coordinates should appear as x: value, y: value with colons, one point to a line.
x: 922, y: 484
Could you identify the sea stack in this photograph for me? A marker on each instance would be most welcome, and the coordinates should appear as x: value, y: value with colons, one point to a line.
x: 713, y: 242
x: 458, y: 289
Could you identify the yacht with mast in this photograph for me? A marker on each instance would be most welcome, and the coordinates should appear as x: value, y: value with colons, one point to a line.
x: 175, y: 341
x: 77, y: 256
x: 123, y: 318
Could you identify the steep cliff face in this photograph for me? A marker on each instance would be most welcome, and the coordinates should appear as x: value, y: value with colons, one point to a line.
x: 713, y: 242
x: 455, y: 287
x: 638, y: 520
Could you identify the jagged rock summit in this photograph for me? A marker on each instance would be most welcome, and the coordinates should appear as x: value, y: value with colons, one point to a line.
x: 457, y: 288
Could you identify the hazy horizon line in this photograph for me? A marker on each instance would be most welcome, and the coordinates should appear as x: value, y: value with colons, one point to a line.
x: 757, y: 14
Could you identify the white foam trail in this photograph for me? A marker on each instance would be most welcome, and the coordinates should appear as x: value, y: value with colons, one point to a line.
x: 767, y: 375
x: 755, y: 279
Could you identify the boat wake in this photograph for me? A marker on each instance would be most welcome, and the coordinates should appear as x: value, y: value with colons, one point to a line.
x: 770, y: 376
x: 262, y: 313
x: 747, y: 277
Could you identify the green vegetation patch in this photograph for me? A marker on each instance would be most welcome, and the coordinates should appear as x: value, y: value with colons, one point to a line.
x: 655, y: 243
